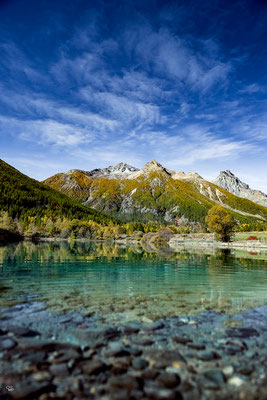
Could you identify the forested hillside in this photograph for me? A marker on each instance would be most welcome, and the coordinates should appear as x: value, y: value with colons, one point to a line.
x: 24, y: 197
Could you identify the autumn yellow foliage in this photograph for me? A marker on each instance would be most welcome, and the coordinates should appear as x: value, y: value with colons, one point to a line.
x: 220, y: 222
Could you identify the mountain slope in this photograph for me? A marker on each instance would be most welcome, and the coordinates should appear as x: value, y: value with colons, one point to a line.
x: 22, y: 196
x: 154, y: 192
x: 228, y: 181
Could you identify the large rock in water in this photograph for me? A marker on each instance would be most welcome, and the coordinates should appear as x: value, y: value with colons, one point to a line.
x: 228, y: 181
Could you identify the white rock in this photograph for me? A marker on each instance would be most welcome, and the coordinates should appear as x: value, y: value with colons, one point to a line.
x: 236, y: 381
x: 228, y: 370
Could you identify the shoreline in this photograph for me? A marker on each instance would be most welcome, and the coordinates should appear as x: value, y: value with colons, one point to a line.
x: 248, y: 245
x: 193, y: 240
x: 73, y: 355
x: 173, y: 243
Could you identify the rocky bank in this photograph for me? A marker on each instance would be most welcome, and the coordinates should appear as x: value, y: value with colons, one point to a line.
x: 45, y: 355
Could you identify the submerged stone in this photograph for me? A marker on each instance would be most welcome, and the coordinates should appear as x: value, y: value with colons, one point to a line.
x: 94, y: 367
x: 139, y: 363
x: 169, y: 380
x: 206, y: 355
x: 242, y: 332
x: 7, y: 344
x: 127, y: 382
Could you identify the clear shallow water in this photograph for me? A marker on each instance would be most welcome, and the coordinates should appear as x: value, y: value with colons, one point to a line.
x: 111, y: 279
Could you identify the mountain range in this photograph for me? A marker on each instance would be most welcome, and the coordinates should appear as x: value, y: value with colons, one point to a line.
x: 155, y: 192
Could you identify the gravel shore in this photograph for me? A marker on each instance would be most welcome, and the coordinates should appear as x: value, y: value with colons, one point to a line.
x: 46, y: 355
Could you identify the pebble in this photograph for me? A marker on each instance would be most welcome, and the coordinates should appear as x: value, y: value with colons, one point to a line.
x: 206, y: 355
x: 242, y: 332
x: 30, y: 389
x: 212, y: 379
x: 139, y: 363
x: 196, y: 346
x: 34, y: 358
x: 116, y: 349
x: 150, y: 374
x: 134, y: 350
x: 246, y: 370
x: 215, y: 375
x: 193, y: 322
x: 59, y: 369
x: 181, y: 339
x: 228, y: 370
x: 64, y: 319
x: 41, y: 376
x: 131, y: 328
x: 127, y: 382
x: 21, y: 331
x: 236, y: 381
x: 154, y: 392
x: 143, y: 341
x: 94, y: 367
x: 96, y: 336
x: 233, y: 349
x: 169, y: 380
x: 120, y: 365
x: 156, y: 326
x: 78, y: 319
x: 7, y: 344
x: 63, y: 356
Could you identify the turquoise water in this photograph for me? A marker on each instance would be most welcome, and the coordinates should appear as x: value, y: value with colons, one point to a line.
x: 109, y: 279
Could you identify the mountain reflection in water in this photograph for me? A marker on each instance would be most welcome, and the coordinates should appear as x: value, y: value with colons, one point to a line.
x: 142, y: 283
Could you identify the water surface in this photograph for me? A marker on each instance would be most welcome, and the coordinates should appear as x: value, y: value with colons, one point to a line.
x: 110, y: 279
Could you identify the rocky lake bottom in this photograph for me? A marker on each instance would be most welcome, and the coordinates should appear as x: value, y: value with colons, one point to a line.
x: 105, y: 322
x: 46, y: 355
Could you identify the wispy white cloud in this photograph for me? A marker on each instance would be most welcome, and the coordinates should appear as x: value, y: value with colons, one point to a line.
x: 125, y: 110
x: 46, y: 132
x: 197, y: 143
x: 217, y: 148
x: 172, y: 56
x: 139, y: 86
x: 253, y: 127
x: 88, y: 66
x: 253, y: 88
x: 162, y: 66
x: 53, y: 132
x: 205, y: 78
x: 34, y: 107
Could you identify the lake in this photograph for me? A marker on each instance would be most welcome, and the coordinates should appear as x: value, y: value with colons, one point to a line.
x: 129, y: 282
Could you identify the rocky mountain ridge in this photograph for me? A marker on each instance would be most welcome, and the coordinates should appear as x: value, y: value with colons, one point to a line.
x: 125, y: 171
x: 152, y: 193
x: 118, y: 171
x: 228, y: 181
x: 156, y: 166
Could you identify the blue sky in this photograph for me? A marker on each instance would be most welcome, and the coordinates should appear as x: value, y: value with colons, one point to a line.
x: 86, y: 84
